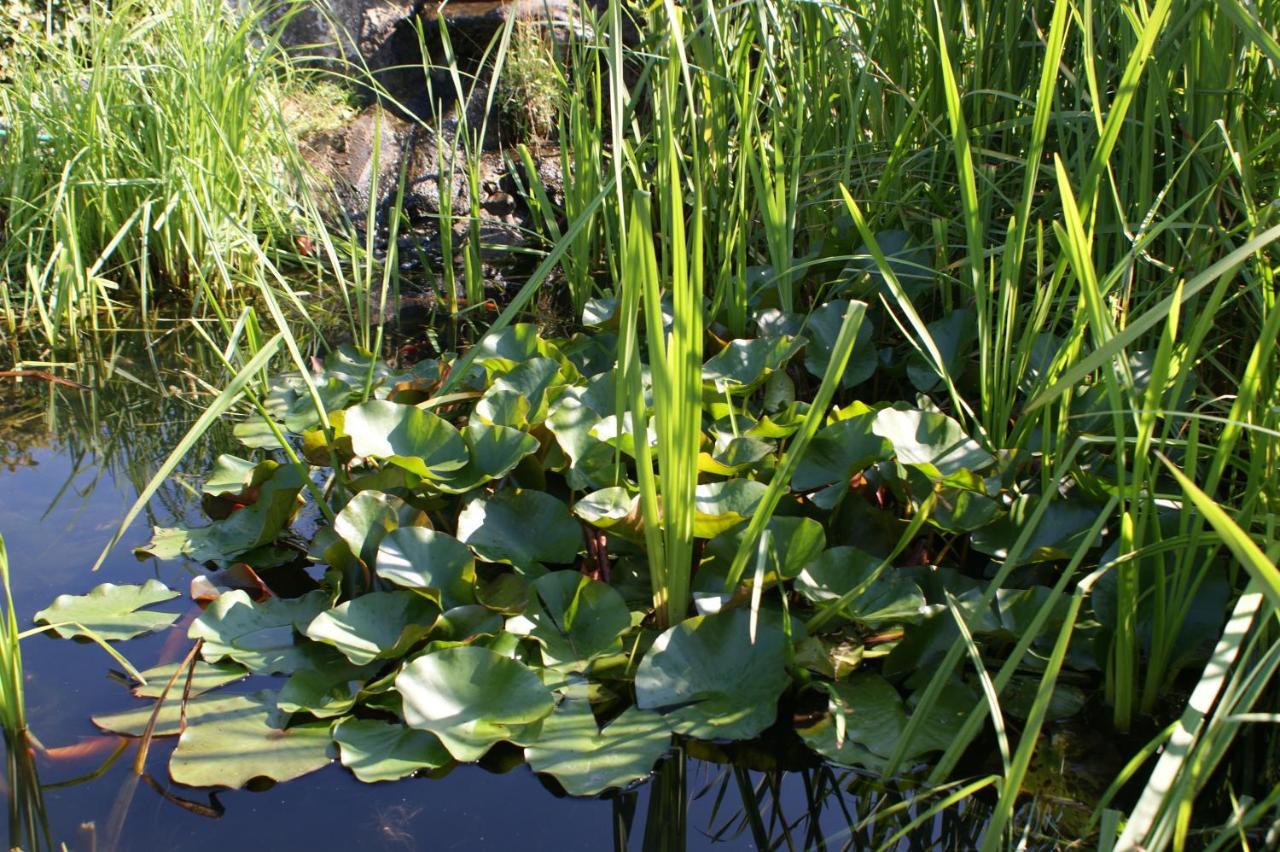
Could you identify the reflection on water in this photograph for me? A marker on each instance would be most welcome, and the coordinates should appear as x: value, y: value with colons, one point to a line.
x: 72, y: 461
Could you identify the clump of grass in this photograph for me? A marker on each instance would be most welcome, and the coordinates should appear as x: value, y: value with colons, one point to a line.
x: 139, y: 158
x: 529, y: 85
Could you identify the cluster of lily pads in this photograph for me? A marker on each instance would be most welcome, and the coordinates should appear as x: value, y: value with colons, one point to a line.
x: 433, y: 574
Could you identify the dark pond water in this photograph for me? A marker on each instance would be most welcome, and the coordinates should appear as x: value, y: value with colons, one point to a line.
x: 72, y: 462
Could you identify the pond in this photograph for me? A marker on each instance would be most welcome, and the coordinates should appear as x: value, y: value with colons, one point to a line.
x: 71, y: 464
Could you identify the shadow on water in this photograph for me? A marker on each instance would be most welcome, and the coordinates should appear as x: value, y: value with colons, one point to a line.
x: 72, y: 460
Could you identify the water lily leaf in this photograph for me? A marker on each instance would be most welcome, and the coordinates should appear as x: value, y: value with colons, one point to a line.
x: 873, y: 719
x: 334, y: 394
x: 572, y: 417
x: 429, y: 562
x: 572, y: 617
x: 795, y: 541
x: 927, y: 437
x: 498, y: 528
x: 709, y: 680
x: 910, y: 265
x: 495, y: 451
x: 507, y: 593
x: 207, y: 676
x: 259, y: 636
x: 822, y: 330
x: 586, y: 759
x: 243, y: 739
x: 519, y: 396
x: 169, y: 721
x: 385, y: 751
x: 111, y: 612
x: 1061, y: 531
x: 230, y: 474
x: 375, y: 626
x: 408, y: 437
x: 471, y: 698
x: 954, y: 336
x: 743, y: 364
x: 734, y: 455
x: 367, y: 519
x: 719, y: 506
x: 607, y: 507
x: 275, y: 501
x: 328, y: 685
x: 838, y: 452
x: 889, y: 598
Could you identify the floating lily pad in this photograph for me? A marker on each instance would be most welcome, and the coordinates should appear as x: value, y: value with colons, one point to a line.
x: 743, y: 364
x: 207, y: 676
x: 471, y: 698
x: 495, y: 451
x: 822, y: 330
x: 927, y: 437
x: 377, y: 625
x: 1062, y: 529
x: 259, y: 636
x: 795, y: 542
x: 839, y: 451
x: 385, y: 751
x: 418, y: 441
x: 954, y: 336
x: 244, y: 739
x: 889, y: 598
x: 327, y: 686
x: 275, y: 501
x: 521, y: 528
x: 586, y: 759
x: 719, y: 506
x: 572, y: 617
x: 109, y: 611
x: 865, y: 718
x: 429, y: 562
x: 709, y: 680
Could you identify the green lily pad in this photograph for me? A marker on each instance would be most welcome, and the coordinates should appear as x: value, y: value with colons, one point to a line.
x: 276, y: 491
x: 930, y: 438
x: 1062, y: 529
x: 743, y: 364
x: 871, y: 713
x: 429, y: 562
x: 365, y: 521
x: 471, y: 698
x: 418, y: 441
x: 710, y: 681
x: 719, y: 506
x: 243, y: 739
x: 795, y: 543
x: 259, y: 636
x: 838, y: 452
x: 518, y: 397
x: 495, y: 451
x: 133, y: 722
x: 888, y: 598
x: 954, y: 336
x: 606, y: 508
x: 823, y: 328
x: 110, y: 612
x: 377, y: 625
x: 385, y: 751
x: 328, y: 685
x: 572, y: 617
x: 520, y: 528
x: 207, y: 676
x: 586, y: 759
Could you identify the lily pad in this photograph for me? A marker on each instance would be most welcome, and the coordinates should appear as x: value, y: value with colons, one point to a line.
x: 418, y: 441
x: 495, y: 451
x: 471, y: 698
x: 888, y: 598
x: 572, y: 617
x: 743, y: 364
x: 377, y: 625
x: 719, y: 506
x: 838, y: 452
x: 927, y: 437
x: 259, y: 636
x: 207, y: 676
x: 710, y: 681
x: 864, y: 720
x: 327, y: 686
x: 429, y: 562
x: 520, y: 528
x: 109, y: 611
x: 244, y: 739
x: 795, y: 543
x: 386, y: 751
x: 586, y: 759
x: 822, y: 330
